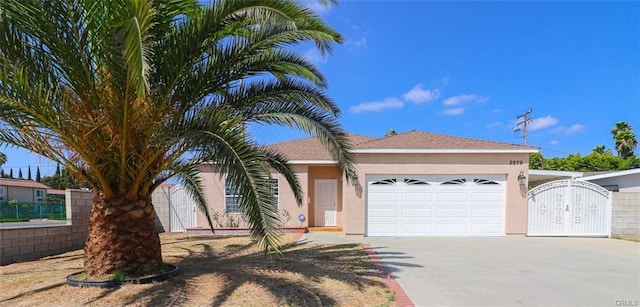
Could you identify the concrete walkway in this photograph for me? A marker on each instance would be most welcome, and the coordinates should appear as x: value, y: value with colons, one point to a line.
x: 508, y: 271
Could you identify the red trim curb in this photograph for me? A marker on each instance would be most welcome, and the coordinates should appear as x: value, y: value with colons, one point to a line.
x: 402, y: 299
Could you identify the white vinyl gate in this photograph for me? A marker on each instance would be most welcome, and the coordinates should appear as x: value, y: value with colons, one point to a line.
x: 569, y: 208
x: 182, y: 209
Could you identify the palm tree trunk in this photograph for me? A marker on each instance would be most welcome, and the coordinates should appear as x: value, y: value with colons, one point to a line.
x: 122, y: 236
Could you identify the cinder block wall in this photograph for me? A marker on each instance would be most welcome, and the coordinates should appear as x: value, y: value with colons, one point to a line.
x: 160, y: 199
x: 26, y: 244
x: 625, y: 215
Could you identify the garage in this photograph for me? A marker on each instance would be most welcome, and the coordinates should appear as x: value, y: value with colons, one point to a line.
x: 461, y: 205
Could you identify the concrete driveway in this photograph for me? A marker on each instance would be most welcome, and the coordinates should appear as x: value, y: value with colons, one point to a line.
x: 509, y: 271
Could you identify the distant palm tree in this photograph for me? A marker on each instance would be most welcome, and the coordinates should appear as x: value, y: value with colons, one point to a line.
x: 624, y: 138
x: 601, y: 150
x: 3, y: 158
x: 126, y: 94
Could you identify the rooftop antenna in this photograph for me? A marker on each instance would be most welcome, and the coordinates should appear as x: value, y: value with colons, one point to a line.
x: 521, y: 125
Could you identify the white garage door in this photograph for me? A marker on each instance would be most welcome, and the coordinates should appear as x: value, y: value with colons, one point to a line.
x: 404, y: 205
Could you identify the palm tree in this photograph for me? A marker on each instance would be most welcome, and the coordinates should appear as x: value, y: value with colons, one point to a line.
x: 624, y: 139
x: 126, y: 94
x: 3, y: 158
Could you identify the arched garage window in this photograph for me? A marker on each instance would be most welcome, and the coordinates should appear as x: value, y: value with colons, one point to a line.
x: 456, y: 181
x: 480, y: 181
x: 409, y: 181
x: 390, y: 181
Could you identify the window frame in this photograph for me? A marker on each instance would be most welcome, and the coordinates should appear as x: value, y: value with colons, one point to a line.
x: 227, y: 196
x: 37, y: 197
x: 3, y: 192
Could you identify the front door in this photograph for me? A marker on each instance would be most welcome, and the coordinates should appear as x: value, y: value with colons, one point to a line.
x: 326, y: 198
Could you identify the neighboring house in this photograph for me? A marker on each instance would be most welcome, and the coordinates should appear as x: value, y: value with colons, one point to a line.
x: 22, y: 190
x: 619, y: 181
x: 616, y: 181
x: 410, y: 184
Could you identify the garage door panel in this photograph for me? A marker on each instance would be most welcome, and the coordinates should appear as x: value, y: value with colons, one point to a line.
x: 408, y: 196
x: 486, y: 197
x: 384, y: 196
x: 452, y: 197
x: 444, y: 213
x: 451, y: 228
x: 386, y: 228
x: 465, y: 206
x: 416, y: 213
x: 384, y: 213
x: 416, y: 228
x: 486, y: 212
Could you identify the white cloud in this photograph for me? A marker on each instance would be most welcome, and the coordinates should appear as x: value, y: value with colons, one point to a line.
x: 445, y: 80
x: 496, y: 110
x: 493, y: 125
x: 453, y: 112
x: 315, y: 57
x: 553, y: 142
x: 353, y: 45
x: 377, y: 106
x: 419, y: 95
x: 457, y: 100
x: 575, y: 128
x: 542, y: 122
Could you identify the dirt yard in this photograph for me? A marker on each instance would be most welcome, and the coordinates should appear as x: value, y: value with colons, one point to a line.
x: 227, y: 271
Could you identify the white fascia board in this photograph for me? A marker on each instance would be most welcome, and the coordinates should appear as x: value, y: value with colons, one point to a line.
x: 612, y: 174
x: 312, y: 162
x: 438, y: 151
x: 552, y: 173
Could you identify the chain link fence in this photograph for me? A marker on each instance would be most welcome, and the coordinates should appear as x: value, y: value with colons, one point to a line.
x: 18, y: 210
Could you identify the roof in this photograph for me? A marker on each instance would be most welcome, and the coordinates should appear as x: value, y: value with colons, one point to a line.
x: 424, y: 140
x: 310, y: 149
x: 629, y: 172
x: 22, y: 183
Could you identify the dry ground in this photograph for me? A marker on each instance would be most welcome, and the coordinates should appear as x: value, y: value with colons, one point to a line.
x: 218, y: 271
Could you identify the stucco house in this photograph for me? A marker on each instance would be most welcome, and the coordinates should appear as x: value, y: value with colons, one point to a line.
x: 410, y: 184
x: 22, y: 190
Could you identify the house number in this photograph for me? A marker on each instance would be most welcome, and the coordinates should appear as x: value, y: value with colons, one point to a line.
x: 515, y: 162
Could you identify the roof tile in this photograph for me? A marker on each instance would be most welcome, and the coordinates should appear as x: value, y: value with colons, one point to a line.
x: 312, y: 149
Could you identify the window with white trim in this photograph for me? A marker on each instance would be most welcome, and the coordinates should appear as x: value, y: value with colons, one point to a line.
x: 3, y: 193
x: 232, y: 198
x: 40, y: 194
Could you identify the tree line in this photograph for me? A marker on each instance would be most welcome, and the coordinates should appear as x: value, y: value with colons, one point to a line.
x: 599, y: 159
x: 60, y: 180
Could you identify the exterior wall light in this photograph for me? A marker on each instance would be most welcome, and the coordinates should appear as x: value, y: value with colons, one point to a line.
x: 522, y: 179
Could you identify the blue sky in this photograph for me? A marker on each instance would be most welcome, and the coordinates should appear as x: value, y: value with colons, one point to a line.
x: 469, y: 68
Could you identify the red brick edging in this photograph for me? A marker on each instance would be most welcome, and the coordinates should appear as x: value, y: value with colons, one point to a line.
x: 402, y: 299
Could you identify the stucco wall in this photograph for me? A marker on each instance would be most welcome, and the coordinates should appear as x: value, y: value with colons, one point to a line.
x: 21, y: 194
x: 439, y: 164
x: 625, y: 215
x: 214, y: 194
x: 352, y: 199
x: 29, y: 243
